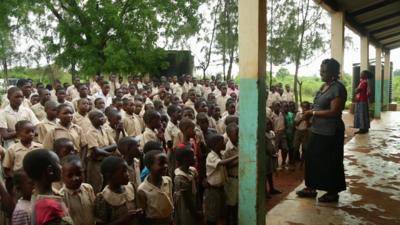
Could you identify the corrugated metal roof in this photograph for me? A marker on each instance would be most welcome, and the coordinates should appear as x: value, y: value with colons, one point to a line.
x: 379, y: 20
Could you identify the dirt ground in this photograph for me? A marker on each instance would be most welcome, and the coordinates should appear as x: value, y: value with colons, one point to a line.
x: 286, y: 181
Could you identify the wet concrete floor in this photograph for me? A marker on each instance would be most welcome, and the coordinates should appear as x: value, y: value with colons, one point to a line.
x: 372, y: 164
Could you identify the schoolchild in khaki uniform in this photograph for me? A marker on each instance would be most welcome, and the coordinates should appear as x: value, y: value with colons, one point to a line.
x: 152, y: 120
x: 172, y: 135
x: 232, y: 182
x: 129, y: 149
x: 66, y: 129
x: 155, y: 193
x: 49, y: 123
x: 216, y: 179
x: 79, y: 197
x: 81, y: 115
x: 15, y: 154
x: 117, y: 204
x: 13, y: 113
x: 115, y: 126
x: 38, y: 108
x: 100, y: 145
x: 83, y: 93
x: 301, y: 133
x: 130, y: 122
x: 278, y: 121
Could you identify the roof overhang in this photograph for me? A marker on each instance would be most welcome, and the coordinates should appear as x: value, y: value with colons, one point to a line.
x: 379, y: 20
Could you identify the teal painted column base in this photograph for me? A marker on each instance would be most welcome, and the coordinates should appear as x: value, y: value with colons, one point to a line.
x: 378, y: 99
x: 386, y: 86
x: 252, y: 157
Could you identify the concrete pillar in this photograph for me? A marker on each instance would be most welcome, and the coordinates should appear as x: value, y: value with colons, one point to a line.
x: 252, y: 60
x: 386, y: 80
x: 364, y: 53
x: 337, y: 38
x: 378, y: 83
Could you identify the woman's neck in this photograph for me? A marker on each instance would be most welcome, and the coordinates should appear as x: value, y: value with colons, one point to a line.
x: 184, y: 168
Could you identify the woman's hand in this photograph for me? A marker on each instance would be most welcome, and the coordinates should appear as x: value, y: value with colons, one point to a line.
x: 307, y: 115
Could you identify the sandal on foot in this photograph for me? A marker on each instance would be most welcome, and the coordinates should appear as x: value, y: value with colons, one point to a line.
x: 329, y: 198
x: 307, y: 193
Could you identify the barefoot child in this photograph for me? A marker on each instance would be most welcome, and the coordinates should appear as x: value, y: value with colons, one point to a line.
x: 50, y: 122
x: 301, y: 133
x: 100, y: 145
x: 117, y: 203
x: 155, y: 193
x: 79, y: 197
x: 43, y: 167
x: 185, y: 191
x: 216, y: 177
x: 278, y: 121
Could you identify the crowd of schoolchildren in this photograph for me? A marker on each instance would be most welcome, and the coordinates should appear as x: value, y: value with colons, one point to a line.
x: 132, y: 152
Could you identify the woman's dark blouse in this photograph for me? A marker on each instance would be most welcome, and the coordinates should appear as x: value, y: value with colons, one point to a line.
x: 322, y: 101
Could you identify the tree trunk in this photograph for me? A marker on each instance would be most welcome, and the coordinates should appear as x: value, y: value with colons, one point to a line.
x: 296, y: 97
x: 5, y: 69
x: 270, y: 74
x: 300, y: 91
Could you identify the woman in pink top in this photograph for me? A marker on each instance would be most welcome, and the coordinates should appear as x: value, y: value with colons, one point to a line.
x: 361, y: 114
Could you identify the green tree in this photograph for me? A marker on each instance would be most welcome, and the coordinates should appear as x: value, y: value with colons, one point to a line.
x: 303, y: 36
x: 282, y: 73
x: 227, y: 36
x: 396, y: 72
x: 99, y: 36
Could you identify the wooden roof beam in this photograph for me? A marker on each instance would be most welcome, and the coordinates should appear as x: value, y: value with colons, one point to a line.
x: 372, y: 7
x: 381, y: 19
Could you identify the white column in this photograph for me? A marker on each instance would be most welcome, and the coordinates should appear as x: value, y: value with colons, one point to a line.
x: 386, y: 79
x: 337, y: 37
x: 364, y: 53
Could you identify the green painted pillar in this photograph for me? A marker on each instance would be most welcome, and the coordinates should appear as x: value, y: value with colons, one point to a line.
x: 378, y: 83
x: 252, y: 162
x: 386, y: 80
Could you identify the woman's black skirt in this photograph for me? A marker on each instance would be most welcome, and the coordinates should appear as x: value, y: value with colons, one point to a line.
x: 324, y: 162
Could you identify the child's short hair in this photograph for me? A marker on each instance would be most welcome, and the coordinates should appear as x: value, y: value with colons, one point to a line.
x: 94, y: 113
x: 185, y: 124
x: 164, y: 117
x: 172, y: 109
x: 152, y: 145
x: 21, y: 124
x: 125, y: 142
x: 97, y: 100
x: 62, y: 106
x: 150, y: 115
x: 231, y: 128
x: 201, y: 116
x: 36, y: 162
x: 60, y: 142
x: 49, y: 105
x: 231, y: 119
x: 110, y: 165
x: 187, y: 108
x: 82, y: 99
x: 116, y: 99
x: 213, y: 139
x: 70, y: 159
x: 198, y: 102
x: 12, y: 90
x: 60, y: 89
x: 18, y: 176
x: 183, y: 153
x: 229, y: 102
x: 149, y: 157
x: 306, y: 104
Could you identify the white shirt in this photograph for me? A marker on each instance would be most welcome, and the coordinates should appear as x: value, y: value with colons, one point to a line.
x: 107, y: 99
x: 216, y: 173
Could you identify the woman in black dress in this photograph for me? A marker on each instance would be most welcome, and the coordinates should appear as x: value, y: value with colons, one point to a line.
x: 324, y: 168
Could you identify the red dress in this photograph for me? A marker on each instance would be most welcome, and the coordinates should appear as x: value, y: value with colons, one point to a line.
x: 362, y: 95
